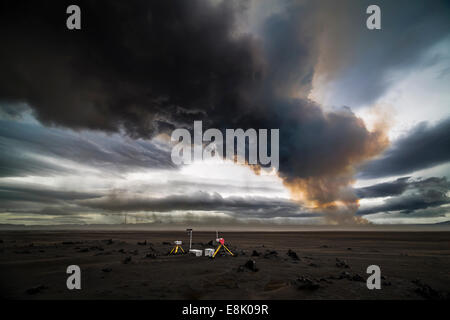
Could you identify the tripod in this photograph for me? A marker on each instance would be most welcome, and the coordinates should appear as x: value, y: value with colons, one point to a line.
x: 177, y: 246
x: 222, y: 245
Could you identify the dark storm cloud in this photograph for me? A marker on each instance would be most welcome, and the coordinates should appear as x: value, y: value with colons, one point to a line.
x: 42, y: 195
x: 33, y: 199
x: 416, y: 195
x: 25, y: 200
x: 430, y: 212
x: 384, y: 189
x: 143, y: 65
x: 13, y: 163
x: 51, y: 208
x: 60, y: 220
x: 22, y: 146
x: 200, y: 201
x: 147, y: 67
x: 423, y: 147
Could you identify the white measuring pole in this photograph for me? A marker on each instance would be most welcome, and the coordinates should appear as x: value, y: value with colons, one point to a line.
x: 190, y: 238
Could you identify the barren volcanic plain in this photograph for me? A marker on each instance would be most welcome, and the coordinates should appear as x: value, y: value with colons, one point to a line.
x: 266, y: 265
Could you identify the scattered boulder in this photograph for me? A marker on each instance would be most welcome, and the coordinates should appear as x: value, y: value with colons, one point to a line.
x: 37, y: 289
x: 150, y: 255
x: 255, y: 253
x: 271, y: 254
x: 349, y: 249
x: 109, y: 241
x: 313, y: 265
x: 144, y: 243
x: 293, y: 254
x: 121, y: 250
x: 341, y: 264
x: 127, y: 260
x: 344, y: 275
x: 84, y: 250
x: 211, y: 243
x: 249, y: 265
x: 304, y: 283
x: 351, y: 277
x: 427, y: 291
x: 106, y: 269
x: 357, y: 277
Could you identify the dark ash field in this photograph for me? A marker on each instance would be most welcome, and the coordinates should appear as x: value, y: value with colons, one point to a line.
x: 287, y: 265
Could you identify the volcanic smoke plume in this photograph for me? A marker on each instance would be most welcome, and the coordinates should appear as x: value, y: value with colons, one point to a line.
x: 180, y: 61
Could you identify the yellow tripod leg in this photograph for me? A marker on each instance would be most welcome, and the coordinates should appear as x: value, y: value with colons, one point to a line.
x: 181, y: 248
x: 171, y: 250
x: 176, y: 249
x: 228, y: 250
x: 217, y: 250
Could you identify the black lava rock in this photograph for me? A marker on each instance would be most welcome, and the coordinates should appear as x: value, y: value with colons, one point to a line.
x: 357, y: 277
x: 293, y: 254
x: 255, y: 253
x: 37, y: 289
x: 249, y: 265
x: 304, y: 283
x: 126, y: 260
x: 271, y: 254
x: 341, y: 264
x: 428, y: 292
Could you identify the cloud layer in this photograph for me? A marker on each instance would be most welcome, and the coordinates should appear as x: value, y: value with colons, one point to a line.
x: 141, y: 68
x: 423, y: 147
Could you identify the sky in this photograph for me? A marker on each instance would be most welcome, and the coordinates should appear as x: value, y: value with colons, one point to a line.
x: 86, y: 115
